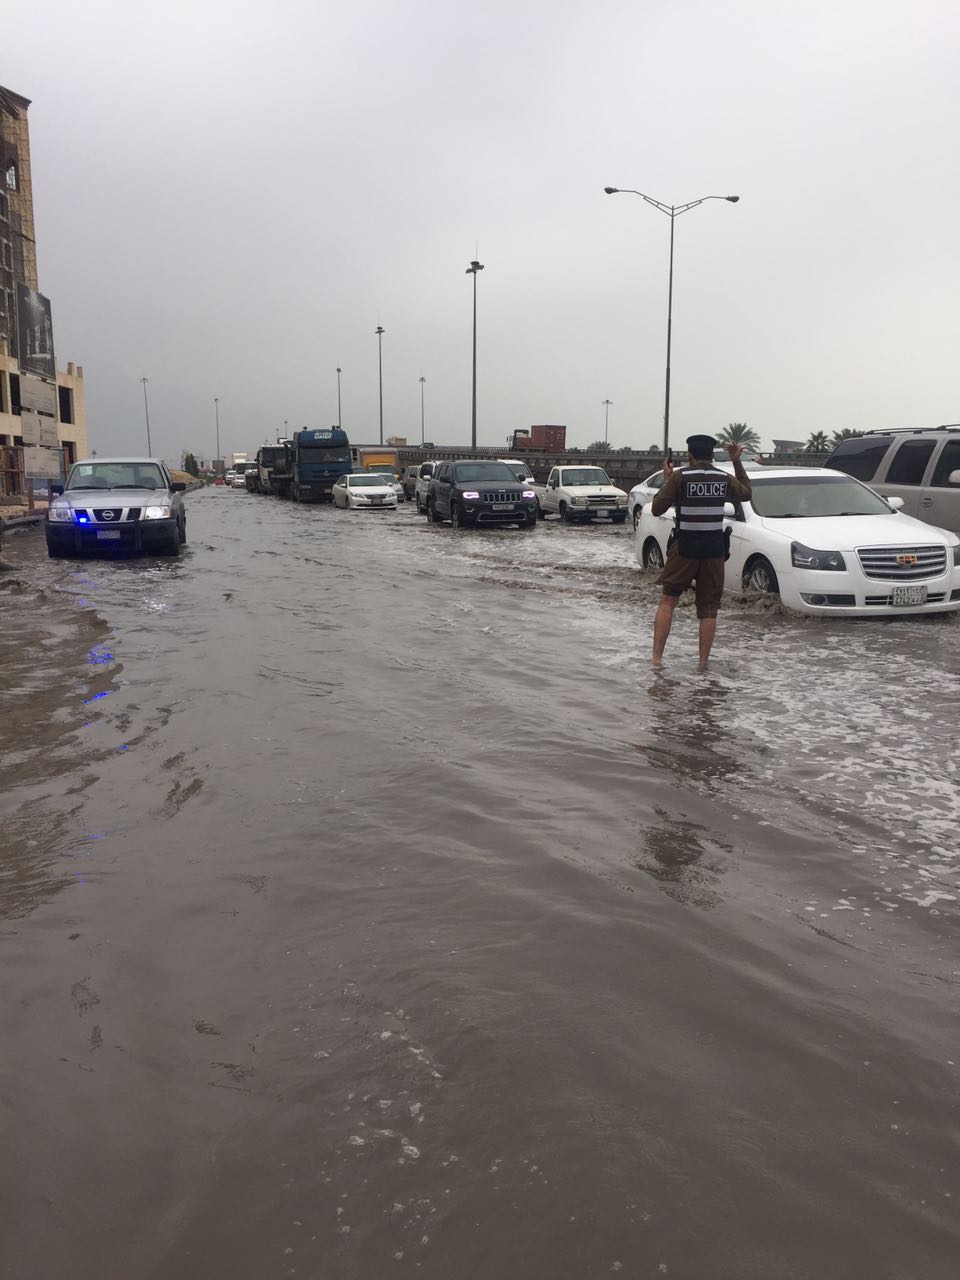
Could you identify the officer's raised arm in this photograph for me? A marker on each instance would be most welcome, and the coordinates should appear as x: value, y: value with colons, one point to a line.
x: 741, y: 486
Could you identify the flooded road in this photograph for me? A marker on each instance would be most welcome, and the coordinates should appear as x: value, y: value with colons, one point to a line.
x: 369, y: 908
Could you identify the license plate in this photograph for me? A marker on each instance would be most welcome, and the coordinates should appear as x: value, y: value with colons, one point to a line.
x: 375, y: 500
x: 108, y: 535
x: 504, y: 506
x: 602, y: 511
x: 901, y: 596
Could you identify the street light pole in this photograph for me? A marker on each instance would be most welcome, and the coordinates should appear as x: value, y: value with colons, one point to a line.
x: 380, y: 331
x: 339, y: 416
x: 216, y: 410
x: 673, y: 212
x: 146, y: 411
x: 423, y: 435
x: 606, y: 421
x: 472, y: 270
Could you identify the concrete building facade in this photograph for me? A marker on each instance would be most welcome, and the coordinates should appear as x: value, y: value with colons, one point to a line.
x: 42, y: 408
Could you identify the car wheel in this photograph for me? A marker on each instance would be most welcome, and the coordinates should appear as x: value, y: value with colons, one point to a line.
x: 529, y: 523
x: 637, y: 513
x: 456, y: 519
x: 183, y: 532
x: 565, y: 515
x: 419, y: 506
x: 619, y: 518
x: 652, y: 556
x: 761, y: 576
x: 59, y: 553
x: 172, y: 547
x: 432, y: 511
x: 541, y: 514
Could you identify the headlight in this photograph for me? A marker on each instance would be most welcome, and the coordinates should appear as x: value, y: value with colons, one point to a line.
x: 61, y: 515
x: 577, y: 502
x: 622, y: 502
x: 956, y: 556
x: 470, y: 495
x: 806, y: 558
x: 528, y: 494
x: 156, y: 513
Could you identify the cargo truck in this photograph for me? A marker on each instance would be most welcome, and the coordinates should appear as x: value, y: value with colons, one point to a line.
x: 376, y: 458
x: 311, y: 464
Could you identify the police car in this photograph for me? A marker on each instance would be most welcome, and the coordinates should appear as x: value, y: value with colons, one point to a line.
x: 826, y: 544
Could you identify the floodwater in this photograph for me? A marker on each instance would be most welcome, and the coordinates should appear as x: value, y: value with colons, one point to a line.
x: 368, y: 908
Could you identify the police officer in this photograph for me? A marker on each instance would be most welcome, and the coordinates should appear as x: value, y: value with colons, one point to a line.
x: 698, y: 547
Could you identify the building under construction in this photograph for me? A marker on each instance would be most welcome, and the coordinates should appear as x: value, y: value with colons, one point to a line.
x: 42, y: 414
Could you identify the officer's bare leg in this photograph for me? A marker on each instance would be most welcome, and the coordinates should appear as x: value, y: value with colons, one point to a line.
x: 708, y: 629
x: 662, y: 624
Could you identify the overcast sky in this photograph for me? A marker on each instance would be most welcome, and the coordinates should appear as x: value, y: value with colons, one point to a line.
x: 231, y: 197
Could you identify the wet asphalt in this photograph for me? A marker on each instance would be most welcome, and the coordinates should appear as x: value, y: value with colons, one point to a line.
x: 369, y: 908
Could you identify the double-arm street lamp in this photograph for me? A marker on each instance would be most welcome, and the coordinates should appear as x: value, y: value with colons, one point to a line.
x: 473, y: 270
x: 380, y: 331
x: 673, y: 212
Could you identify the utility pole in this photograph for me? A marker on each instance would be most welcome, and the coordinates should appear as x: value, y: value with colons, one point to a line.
x: 473, y: 269
x: 146, y: 411
x: 606, y: 421
x: 380, y: 331
x: 422, y: 432
x: 339, y: 415
x: 216, y: 410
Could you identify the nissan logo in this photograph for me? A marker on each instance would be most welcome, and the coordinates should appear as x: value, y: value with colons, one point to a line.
x: 109, y: 515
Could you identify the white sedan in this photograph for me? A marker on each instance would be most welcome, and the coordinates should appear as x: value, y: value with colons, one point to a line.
x: 394, y: 484
x: 827, y: 544
x: 363, y: 490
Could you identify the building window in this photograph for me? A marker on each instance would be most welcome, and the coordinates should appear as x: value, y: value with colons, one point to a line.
x: 3, y: 392
x: 10, y: 176
x: 66, y: 404
x: 15, y: 393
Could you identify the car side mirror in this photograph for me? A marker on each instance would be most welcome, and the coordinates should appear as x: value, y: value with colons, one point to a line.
x: 730, y: 510
x: 57, y: 489
x: 953, y: 477
x: 178, y: 487
x: 896, y: 503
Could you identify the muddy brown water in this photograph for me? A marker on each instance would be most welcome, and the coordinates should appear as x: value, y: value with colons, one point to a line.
x: 368, y: 908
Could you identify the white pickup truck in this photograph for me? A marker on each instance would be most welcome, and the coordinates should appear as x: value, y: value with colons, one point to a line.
x: 581, y: 494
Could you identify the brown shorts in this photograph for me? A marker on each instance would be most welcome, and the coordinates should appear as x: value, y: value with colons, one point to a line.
x: 679, y: 572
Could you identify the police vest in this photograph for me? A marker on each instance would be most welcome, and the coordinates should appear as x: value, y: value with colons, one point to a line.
x: 703, y: 491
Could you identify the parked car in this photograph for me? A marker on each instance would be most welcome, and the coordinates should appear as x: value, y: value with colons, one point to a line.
x: 519, y: 469
x: 642, y: 494
x: 396, y: 485
x: 581, y: 494
x: 362, y: 491
x: 410, y: 476
x: 116, y: 504
x: 827, y: 544
x: 919, y: 465
x: 470, y: 493
x: 423, y: 485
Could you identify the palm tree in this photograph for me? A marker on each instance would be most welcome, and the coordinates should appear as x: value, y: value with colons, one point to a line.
x: 739, y: 433
x: 598, y: 446
x: 818, y: 443
x: 845, y: 434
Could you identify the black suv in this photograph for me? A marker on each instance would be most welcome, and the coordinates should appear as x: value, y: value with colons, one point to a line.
x: 474, y: 493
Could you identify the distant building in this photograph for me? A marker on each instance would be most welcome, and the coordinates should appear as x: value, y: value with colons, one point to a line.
x: 399, y: 442
x: 788, y: 446
x: 42, y: 410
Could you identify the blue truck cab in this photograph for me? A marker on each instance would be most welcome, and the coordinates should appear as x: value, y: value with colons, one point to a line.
x: 313, y: 463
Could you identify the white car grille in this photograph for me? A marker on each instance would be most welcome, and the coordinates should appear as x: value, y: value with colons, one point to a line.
x: 904, y: 564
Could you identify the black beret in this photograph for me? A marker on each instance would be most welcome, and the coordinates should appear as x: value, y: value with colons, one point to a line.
x: 701, y: 446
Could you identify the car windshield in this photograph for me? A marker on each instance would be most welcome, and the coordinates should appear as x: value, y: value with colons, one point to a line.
x: 473, y: 471
x: 116, y: 475
x: 366, y: 482
x: 584, y: 475
x: 323, y: 453
x: 804, y: 497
